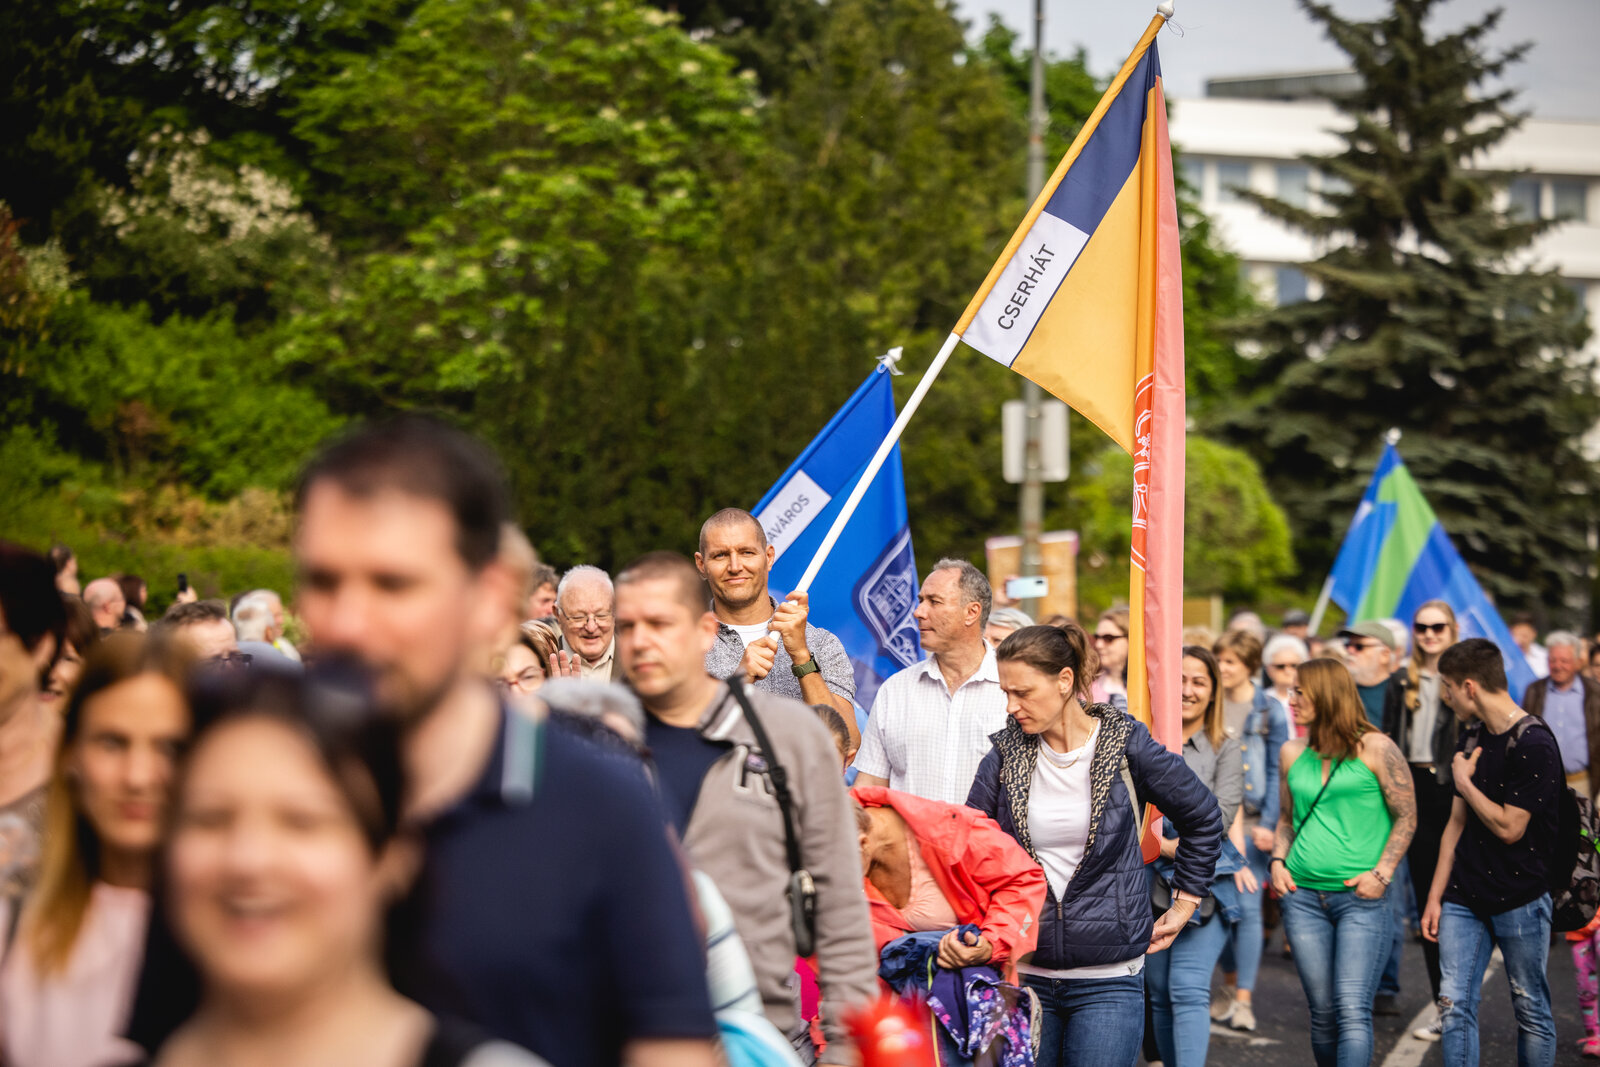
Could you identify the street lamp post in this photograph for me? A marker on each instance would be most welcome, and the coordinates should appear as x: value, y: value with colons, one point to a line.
x: 1031, y: 507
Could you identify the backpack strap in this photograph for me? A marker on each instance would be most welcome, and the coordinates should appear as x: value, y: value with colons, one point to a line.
x: 775, y: 772
x: 1520, y: 727
x: 524, y: 757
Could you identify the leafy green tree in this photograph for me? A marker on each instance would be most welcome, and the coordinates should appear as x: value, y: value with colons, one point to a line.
x: 1428, y: 320
x: 891, y: 181
x: 88, y: 80
x: 1236, y: 538
x: 181, y: 400
x: 193, y: 235
x: 773, y: 38
x: 517, y: 169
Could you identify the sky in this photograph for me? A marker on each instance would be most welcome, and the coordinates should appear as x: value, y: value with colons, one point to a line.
x: 1558, y: 78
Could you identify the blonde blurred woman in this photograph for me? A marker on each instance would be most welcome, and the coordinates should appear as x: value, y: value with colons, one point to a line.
x: 68, y: 979
x: 1425, y: 729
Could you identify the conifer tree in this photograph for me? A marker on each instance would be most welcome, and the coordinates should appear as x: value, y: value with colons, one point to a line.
x: 1431, y: 318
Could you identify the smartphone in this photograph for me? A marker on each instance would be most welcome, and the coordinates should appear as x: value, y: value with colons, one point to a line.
x: 1027, y: 588
x: 183, y: 583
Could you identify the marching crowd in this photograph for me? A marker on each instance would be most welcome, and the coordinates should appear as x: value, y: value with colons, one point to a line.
x: 476, y: 812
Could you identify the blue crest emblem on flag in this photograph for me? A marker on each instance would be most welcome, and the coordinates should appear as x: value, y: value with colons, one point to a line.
x: 886, y: 596
x: 866, y: 591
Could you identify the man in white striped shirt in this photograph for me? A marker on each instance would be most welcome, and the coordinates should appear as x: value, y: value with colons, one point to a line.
x: 930, y: 723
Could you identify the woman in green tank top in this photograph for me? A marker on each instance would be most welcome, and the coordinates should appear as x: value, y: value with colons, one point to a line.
x: 1346, y: 818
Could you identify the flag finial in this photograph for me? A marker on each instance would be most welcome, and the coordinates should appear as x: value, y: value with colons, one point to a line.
x: 1164, y: 9
x: 1393, y: 436
x: 888, y: 360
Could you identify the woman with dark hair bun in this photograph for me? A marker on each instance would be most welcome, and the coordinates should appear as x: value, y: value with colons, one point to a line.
x: 1069, y: 780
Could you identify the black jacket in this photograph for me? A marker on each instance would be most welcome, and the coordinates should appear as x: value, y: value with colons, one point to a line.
x: 1397, y: 724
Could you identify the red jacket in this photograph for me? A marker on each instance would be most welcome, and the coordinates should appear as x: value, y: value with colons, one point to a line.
x: 986, y: 876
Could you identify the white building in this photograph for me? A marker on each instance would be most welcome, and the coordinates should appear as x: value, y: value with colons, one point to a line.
x: 1249, y: 132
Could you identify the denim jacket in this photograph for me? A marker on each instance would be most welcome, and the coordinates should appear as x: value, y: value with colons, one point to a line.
x: 1223, y: 889
x: 1265, y: 732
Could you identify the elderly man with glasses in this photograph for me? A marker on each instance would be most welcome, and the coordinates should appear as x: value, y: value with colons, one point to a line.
x: 1569, y: 702
x: 585, y: 607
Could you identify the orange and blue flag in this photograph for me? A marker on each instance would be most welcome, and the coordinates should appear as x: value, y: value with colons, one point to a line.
x: 1087, y: 301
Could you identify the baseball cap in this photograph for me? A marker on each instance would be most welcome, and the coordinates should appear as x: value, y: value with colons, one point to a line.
x: 1297, y: 618
x: 1371, y: 628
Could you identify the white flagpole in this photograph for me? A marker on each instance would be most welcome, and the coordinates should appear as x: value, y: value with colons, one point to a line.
x: 865, y: 482
x: 1322, y: 606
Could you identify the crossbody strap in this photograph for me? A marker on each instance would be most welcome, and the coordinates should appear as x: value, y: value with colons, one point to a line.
x: 775, y: 771
x: 1312, y: 810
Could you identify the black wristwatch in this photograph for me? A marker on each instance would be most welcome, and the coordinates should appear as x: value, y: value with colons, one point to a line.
x: 808, y: 667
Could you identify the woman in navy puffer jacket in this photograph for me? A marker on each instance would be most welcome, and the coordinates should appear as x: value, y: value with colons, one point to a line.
x: 1056, y: 781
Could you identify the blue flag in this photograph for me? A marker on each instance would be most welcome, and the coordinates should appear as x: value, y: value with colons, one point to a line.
x: 1397, y: 556
x: 867, y: 590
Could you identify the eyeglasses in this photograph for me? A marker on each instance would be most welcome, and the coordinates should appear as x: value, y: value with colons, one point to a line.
x: 1282, y: 666
x: 1361, y: 646
x: 599, y: 618
x: 234, y: 659
x: 1108, y: 639
x: 1430, y: 627
x: 523, y: 682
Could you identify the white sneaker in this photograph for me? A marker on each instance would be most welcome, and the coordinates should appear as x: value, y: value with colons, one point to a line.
x: 1222, y: 1004
x: 1244, y: 1017
x: 1432, y: 1032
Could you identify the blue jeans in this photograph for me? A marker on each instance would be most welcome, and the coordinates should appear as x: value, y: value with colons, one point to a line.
x: 1241, y: 951
x: 1465, y: 943
x: 1179, y: 980
x: 1406, y: 894
x: 1340, y: 943
x: 1090, y: 1022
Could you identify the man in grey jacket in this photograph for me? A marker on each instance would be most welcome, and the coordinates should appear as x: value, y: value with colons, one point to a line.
x: 716, y: 785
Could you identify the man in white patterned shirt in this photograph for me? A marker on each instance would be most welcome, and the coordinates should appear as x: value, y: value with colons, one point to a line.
x: 930, y: 723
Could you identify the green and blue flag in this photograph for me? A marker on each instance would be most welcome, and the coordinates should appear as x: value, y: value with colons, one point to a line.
x: 1396, y: 557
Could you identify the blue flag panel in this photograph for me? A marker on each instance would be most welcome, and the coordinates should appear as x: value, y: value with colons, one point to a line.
x: 867, y: 590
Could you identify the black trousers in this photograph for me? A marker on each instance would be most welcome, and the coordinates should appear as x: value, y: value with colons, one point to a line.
x: 1433, y: 815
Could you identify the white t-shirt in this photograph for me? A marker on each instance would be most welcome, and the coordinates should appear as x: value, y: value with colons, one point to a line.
x: 1058, y: 822
x: 1425, y: 718
x: 754, y: 632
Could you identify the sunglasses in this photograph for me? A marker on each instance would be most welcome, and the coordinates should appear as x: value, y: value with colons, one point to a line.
x: 1108, y: 639
x: 1430, y: 627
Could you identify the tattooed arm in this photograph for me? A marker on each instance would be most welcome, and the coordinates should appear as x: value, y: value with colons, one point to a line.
x: 1283, y: 841
x: 1383, y: 757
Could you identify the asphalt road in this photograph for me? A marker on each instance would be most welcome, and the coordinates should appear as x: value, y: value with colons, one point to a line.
x: 1283, y: 1035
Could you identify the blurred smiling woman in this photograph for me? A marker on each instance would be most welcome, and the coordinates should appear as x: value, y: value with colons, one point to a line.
x: 67, y: 983
x: 286, y: 852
